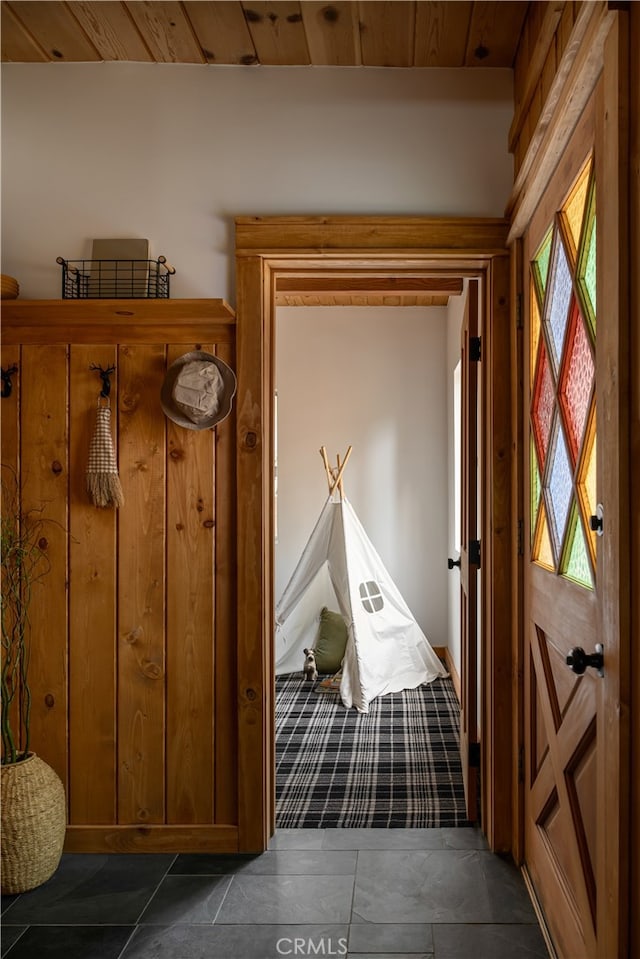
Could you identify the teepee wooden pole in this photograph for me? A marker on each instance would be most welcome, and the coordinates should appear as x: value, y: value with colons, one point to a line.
x: 323, y: 454
x: 341, y: 466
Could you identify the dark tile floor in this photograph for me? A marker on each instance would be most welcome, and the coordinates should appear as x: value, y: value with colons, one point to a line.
x: 361, y: 893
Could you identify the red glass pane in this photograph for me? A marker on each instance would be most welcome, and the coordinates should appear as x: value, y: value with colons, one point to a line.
x: 576, y: 380
x: 542, y: 405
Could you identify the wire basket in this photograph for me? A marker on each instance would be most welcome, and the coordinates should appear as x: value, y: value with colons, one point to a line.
x: 115, y: 279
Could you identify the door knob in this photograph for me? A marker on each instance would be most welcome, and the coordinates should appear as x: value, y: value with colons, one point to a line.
x: 578, y: 660
x: 453, y: 562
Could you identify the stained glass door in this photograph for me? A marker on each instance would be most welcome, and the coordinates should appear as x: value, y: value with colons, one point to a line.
x: 562, y: 734
x: 562, y: 355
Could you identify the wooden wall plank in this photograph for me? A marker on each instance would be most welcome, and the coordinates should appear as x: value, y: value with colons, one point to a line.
x: 543, y: 39
x: 45, y: 473
x: 111, y: 30
x: 333, y: 33
x: 221, y: 31
x: 387, y: 32
x: 167, y: 32
x: 17, y: 43
x: 441, y: 33
x: 252, y: 564
x: 277, y: 32
x: 10, y: 459
x: 55, y: 30
x: 191, y: 533
x: 226, y: 666
x: 141, y: 587
x: 634, y: 257
x: 92, y: 609
x: 574, y: 82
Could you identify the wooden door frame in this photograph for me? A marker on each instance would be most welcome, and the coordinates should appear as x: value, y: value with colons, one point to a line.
x: 270, y: 247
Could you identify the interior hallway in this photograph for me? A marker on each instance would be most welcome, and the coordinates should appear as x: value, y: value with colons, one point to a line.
x: 401, y: 893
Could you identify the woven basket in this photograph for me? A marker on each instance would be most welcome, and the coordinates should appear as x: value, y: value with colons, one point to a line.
x: 33, y: 823
x: 9, y: 287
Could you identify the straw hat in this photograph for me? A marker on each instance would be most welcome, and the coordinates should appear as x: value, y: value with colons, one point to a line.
x: 198, y: 390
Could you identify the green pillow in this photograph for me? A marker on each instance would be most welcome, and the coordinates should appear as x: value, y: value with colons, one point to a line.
x: 331, y: 641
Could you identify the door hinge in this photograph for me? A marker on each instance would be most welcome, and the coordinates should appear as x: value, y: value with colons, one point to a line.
x: 521, y: 764
x: 474, y: 552
x: 475, y: 349
x: 474, y: 755
x: 519, y: 316
x: 520, y: 537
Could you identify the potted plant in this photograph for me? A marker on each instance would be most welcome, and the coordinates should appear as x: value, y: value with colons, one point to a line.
x: 33, y: 801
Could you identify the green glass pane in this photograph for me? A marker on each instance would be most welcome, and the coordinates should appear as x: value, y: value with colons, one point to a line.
x: 535, y: 485
x: 587, y: 263
x: 577, y: 565
x: 541, y: 263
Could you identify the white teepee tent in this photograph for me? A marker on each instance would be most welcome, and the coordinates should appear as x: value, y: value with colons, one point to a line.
x: 386, y: 649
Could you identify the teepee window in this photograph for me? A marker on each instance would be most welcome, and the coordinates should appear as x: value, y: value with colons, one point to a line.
x: 371, y: 596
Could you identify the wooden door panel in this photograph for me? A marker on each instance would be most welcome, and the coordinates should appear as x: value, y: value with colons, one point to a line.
x: 564, y: 591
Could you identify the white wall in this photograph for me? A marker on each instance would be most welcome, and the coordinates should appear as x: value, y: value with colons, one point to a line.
x: 172, y: 152
x: 373, y: 378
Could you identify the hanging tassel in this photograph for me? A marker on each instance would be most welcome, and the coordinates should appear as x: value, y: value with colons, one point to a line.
x: 103, y: 482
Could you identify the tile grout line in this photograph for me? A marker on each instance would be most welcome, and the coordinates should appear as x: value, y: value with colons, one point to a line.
x: 215, y: 918
x: 153, y: 894
x: 15, y: 941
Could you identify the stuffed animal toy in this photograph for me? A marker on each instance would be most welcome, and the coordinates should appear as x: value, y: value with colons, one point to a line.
x: 310, y: 669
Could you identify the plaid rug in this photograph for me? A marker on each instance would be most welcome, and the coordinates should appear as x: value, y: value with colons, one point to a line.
x: 396, y: 766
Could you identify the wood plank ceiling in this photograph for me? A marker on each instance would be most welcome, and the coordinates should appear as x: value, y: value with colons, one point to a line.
x: 383, y: 33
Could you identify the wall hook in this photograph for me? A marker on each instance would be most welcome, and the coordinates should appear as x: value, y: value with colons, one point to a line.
x: 105, y: 377
x: 7, y: 385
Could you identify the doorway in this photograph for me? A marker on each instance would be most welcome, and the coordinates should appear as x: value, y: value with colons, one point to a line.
x: 371, y: 373
x: 356, y: 251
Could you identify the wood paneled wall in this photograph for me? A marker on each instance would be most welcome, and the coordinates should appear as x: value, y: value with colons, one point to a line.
x: 543, y: 43
x: 133, y: 667
x: 559, y: 59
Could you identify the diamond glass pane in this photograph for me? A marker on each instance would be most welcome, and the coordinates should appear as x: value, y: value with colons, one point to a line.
x: 577, y: 566
x: 558, y: 301
x: 587, y: 263
x: 534, y: 324
x: 576, y: 380
x: 560, y: 488
x: 542, y: 405
x: 543, y: 554
x: 535, y: 485
x: 541, y: 264
x: 574, y: 208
